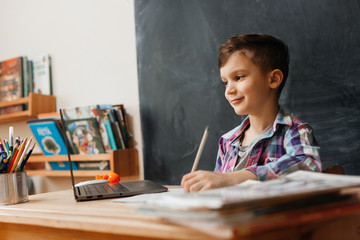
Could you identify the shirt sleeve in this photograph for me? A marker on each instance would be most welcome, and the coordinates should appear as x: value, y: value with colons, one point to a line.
x: 220, y: 155
x: 302, y: 153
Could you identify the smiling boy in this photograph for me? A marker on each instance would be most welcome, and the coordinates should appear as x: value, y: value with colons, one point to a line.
x: 269, y: 142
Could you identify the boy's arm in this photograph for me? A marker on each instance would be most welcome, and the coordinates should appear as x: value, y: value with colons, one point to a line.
x: 203, y: 180
x: 302, y: 153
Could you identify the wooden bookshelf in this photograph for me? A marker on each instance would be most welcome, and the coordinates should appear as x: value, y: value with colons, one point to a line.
x: 37, y: 103
x: 124, y: 162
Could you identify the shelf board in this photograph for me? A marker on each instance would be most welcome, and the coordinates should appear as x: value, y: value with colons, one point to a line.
x: 63, y: 158
x: 15, y: 102
x: 17, y: 116
x: 37, y: 103
x: 77, y: 173
x: 65, y: 173
x: 124, y: 162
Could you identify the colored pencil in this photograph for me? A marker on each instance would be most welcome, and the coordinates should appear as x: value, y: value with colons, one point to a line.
x: 26, y: 158
x: 2, y: 146
x: 7, y: 145
x: 12, y: 159
x: 21, y: 149
x: 21, y: 159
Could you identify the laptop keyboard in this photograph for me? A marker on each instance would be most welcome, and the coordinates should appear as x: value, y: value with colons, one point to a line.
x: 104, y: 188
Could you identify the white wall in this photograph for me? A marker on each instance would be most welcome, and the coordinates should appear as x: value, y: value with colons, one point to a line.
x: 93, y: 49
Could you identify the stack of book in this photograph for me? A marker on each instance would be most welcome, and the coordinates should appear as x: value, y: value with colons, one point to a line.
x: 253, y: 206
x: 21, y: 75
x: 89, y: 130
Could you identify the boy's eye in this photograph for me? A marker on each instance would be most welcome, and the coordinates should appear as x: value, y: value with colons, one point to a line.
x: 239, y: 77
x: 225, y: 83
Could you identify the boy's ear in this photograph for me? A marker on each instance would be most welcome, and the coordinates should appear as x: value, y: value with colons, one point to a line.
x: 276, y: 77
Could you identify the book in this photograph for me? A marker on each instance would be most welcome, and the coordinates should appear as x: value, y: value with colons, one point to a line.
x: 120, y: 115
x: 90, y: 112
x: 104, y: 134
x: 85, y: 136
x: 109, y: 131
x: 11, y: 83
x: 116, y: 130
x: 48, y: 136
x: 74, y: 113
x: 27, y: 79
x: 41, y: 73
x: 111, y: 123
x: 31, y: 76
x: 126, y: 126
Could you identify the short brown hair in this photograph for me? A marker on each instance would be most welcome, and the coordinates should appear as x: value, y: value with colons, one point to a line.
x: 265, y: 51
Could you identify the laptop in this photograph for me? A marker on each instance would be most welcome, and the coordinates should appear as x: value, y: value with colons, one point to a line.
x: 108, y: 190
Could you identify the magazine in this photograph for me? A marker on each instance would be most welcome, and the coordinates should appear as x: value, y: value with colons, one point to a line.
x: 85, y: 136
x: 90, y: 112
x: 48, y: 136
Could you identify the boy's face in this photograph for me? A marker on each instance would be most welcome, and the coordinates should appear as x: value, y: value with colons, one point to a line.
x: 246, y: 87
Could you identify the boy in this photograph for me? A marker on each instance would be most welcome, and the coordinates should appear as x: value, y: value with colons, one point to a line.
x: 269, y: 142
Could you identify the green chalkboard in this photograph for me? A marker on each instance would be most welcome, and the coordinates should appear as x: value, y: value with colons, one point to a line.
x: 181, y: 93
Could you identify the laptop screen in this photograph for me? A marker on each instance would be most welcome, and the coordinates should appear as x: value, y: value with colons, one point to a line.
x: 68, y: 152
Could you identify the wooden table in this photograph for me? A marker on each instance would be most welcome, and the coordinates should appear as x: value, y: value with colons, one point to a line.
x: 56, y: 215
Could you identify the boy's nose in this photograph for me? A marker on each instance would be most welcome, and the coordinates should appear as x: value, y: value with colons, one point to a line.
x: 230, y: 88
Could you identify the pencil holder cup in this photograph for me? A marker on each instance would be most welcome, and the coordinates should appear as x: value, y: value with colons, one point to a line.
x: 13, y: 188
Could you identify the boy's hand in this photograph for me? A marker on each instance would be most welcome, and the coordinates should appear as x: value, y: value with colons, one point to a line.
x: 203, y: 180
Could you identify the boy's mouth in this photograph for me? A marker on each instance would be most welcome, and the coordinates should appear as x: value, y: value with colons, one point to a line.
x: 236, y: 100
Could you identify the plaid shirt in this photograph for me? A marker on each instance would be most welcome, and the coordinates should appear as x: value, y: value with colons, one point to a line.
x: 289, y: 146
